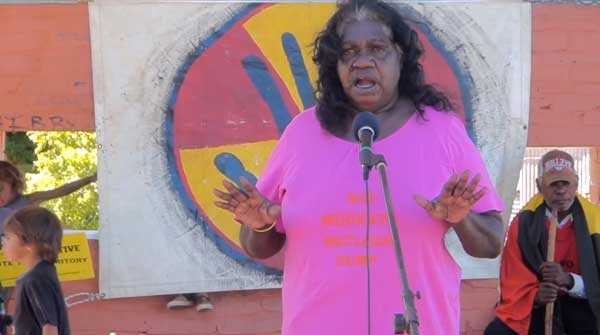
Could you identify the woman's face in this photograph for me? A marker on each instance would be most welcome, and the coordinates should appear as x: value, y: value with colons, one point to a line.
x: 7, y: 193
x: 369, y: 68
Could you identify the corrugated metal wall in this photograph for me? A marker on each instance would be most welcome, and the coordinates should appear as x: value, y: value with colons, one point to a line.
x: 526, y: 188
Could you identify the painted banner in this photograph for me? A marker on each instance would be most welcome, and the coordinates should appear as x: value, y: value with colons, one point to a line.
x: 74, y: 262
x: 189, y: 94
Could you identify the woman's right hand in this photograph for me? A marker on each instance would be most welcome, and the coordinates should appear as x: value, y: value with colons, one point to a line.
x: 248, y: 206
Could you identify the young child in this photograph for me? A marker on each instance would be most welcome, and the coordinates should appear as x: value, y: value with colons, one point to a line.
x: 12, y: 198
x: 32, y: 237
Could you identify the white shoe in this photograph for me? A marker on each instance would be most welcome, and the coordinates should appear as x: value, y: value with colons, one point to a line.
x: 203, y: 303
x: 179, y: 302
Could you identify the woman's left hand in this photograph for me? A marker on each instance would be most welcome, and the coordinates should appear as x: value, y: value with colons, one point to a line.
x: 455, y: 200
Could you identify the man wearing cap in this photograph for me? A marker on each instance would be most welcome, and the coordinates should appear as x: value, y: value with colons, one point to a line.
x: 572, y: 281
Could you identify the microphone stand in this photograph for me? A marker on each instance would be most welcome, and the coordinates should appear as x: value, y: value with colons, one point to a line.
x: 411, y: 322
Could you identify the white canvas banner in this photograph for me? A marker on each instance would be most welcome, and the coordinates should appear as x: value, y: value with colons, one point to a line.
x: 188, y: 94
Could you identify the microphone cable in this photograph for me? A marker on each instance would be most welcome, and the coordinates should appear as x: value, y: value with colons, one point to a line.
x: 367, y: 237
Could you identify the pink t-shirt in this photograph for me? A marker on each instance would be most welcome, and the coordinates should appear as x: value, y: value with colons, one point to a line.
x: 317, y: 179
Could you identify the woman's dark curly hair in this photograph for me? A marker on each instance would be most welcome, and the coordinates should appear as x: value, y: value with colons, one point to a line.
x: 334, y: 110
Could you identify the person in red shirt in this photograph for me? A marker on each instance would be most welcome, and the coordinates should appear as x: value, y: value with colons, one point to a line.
x: 528, y: 282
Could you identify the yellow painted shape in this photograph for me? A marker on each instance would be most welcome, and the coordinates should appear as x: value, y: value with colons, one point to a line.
x: 592, y: 214
x: 202, y: 177
x: 74, y: 262
x: 303, y: 21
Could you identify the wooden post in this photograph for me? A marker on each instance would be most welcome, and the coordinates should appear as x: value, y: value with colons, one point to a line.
x: 550, y: 258
x: 595, y: 175
x: 2, y: 145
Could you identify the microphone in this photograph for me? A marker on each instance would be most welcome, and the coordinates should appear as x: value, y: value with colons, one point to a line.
x: 365, y: 128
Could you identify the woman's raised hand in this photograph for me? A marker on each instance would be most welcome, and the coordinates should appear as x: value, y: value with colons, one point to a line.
x: 248, y: 205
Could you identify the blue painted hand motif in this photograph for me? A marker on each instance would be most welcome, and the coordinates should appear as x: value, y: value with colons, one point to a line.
x: 231, y: 167
x: 256, y: 69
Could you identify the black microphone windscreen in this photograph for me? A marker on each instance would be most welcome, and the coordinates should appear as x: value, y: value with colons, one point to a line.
x: 365, y: 119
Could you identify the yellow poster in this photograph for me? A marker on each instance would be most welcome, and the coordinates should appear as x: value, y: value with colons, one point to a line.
x: 74, y: 262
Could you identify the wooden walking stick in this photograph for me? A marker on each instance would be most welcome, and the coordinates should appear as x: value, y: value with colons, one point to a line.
x: 550, y: 258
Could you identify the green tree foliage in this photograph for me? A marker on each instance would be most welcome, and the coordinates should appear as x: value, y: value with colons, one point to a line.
x: 20, y: 150
x: 63, y: 157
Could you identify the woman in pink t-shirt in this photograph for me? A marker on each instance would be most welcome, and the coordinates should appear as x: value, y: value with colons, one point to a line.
x: 311, y: 195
